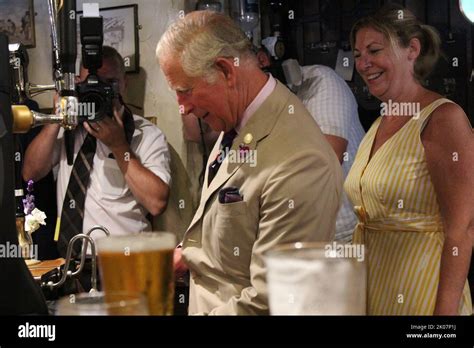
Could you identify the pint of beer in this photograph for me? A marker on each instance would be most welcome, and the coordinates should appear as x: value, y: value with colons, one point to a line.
x: 140, y: 262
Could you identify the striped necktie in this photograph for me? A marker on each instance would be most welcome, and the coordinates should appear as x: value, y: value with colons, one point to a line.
x: 72, y: 215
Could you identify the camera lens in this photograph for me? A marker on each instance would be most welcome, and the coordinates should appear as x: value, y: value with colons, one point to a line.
x: 92, y: 106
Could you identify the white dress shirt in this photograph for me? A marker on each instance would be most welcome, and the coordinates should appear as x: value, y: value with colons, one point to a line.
x: 109, y: 201
x: 264, y: 93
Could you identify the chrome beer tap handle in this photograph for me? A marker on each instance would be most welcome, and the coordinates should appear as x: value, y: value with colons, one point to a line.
x: 94, y: 255
x: 98, y: 227
x: 67, y: 273
x: 88, y: 233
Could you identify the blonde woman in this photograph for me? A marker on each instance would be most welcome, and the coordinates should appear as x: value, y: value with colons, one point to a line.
x: 412, y: 181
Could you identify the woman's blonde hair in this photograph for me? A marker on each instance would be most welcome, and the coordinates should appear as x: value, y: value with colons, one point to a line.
x: 399, y: 26
x: 201, y: 37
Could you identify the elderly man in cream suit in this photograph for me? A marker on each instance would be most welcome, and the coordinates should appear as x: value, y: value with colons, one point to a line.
x: 272, y: 178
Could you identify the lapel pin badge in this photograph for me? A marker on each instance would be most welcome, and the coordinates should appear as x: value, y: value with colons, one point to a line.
x: 248, y: 138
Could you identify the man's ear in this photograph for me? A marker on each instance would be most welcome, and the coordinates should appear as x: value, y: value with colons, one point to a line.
x: 414, y: 48
x: 263, y: 59
x: 227, y: 67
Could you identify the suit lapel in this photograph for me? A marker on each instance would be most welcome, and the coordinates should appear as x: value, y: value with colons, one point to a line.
x: 211, y: 158
x: 259, y: 126
x: 205, y: 188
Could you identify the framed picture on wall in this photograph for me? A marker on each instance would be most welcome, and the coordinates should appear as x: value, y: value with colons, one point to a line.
x: 121, y: 33
x: 17, y: 20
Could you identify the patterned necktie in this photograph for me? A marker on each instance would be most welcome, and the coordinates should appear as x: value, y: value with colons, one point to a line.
x: 72, y: 215
x: 226, y: 144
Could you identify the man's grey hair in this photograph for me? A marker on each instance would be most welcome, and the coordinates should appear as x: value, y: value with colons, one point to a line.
x: 201, y: 37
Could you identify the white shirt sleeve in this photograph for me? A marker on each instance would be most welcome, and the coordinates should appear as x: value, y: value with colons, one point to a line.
x: 331, y: 103
x: 153, y: 152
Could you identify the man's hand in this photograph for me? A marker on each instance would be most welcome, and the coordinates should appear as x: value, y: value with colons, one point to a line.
x: 180, y: 268
x: 147, y: 188
x: 109, y: 131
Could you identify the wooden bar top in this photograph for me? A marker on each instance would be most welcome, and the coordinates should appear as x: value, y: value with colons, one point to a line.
x: 40, y: 269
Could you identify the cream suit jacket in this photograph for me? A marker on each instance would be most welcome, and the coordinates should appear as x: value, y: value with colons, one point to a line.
x: 292, y: 194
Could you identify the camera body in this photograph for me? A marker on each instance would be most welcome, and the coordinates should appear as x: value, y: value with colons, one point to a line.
x: 95, y: 96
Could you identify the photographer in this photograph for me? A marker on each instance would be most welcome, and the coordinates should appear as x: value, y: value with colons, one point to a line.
x: 121, y: 168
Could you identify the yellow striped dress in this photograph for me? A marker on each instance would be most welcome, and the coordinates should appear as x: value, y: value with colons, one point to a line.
x: 399, y: 222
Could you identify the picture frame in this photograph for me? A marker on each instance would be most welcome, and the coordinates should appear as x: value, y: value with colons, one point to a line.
x: 17, y: 21
x: 120, y: 32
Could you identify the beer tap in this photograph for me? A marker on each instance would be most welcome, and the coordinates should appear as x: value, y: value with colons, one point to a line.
x: 31, y: 89
x: 93, y: 254
x: 53, y: 14
x: 64, y: 59
x: 98, y: 227
x: 68, y: 273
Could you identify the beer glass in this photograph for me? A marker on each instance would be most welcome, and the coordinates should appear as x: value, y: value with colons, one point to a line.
x: 96, y: 303
x: 316, y: 279
x: 141, y: 262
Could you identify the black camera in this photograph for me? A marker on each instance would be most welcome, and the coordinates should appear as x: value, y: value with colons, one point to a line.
x: 95, y: 96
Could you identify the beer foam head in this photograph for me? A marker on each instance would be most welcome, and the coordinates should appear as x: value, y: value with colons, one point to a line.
x: 139, y: 242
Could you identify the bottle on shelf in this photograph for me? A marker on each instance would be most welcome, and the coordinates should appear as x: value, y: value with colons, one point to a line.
x: 24, y: 238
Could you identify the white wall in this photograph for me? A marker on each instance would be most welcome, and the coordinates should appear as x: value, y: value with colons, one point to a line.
x: 148, y: 88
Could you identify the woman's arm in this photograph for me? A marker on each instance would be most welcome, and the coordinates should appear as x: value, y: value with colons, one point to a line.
x: 449, y: 147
